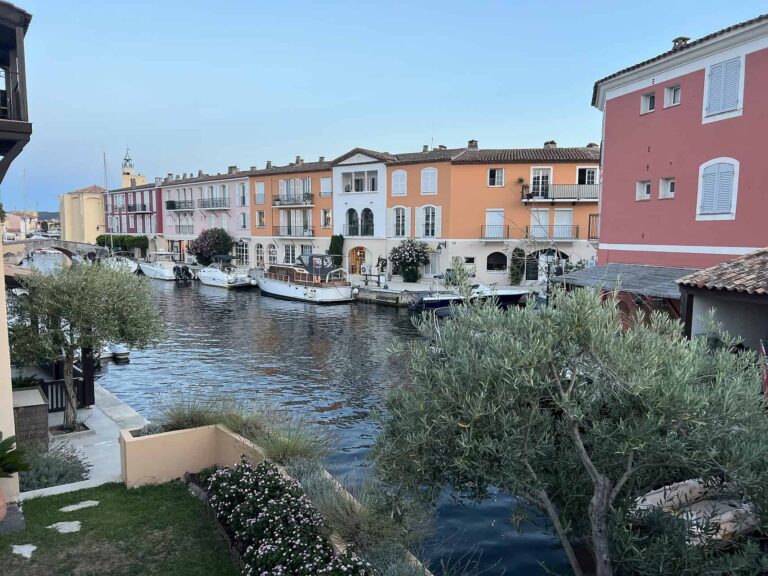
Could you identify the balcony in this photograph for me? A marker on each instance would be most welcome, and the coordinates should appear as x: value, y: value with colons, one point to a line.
x: 185, y: 229
x: 561, y: 193
x: 358, y: 230
x: 494, y: 232
x: 593, y: 231
x: 293, y: 231
x: 552, y: 232
x: 301, y: 199
x: 172, y: 205
x: 138, y: 208
x: 213, y: 203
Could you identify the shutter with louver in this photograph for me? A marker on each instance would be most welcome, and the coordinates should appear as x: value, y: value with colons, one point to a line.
x: 390, y: 222
x: 731, y: 84
x: 419, y: 233
x: 715, y: 95
x: 438, y: 221
x: 724, y: 189
x: 407, y: 222
x: 708, y: 190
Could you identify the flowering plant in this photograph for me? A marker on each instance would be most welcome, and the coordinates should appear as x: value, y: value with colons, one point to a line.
x: 278, y: 528
x: 210, y: 243
x: 408, y: 256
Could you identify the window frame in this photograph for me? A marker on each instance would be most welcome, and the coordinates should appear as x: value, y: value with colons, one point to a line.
x: 289, y: 253
x: 707, y: 117
x: 495, y: 184
x: 497, y: 270
x: 734, y: 192
x: 645, y: 101
x: 323, y: 213
x: 429, y: 169
x: 324, y: 193
x: 669, y: 92
x: 594, y: 169
x: 424, y: 221
x: 261, y: 219
x: 404, y: 188
x: 643, y: 196
x: 395, y: 211
x: 664, y: 188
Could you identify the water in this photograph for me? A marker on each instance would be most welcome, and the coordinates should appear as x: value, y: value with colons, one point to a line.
x: 331, y: 362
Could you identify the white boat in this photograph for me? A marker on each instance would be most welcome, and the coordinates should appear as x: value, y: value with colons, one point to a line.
x: 121, y: 261
x: 119, y: 353
x: 223, y: 274
x: 313, y: 278
x: 504, y: 297
x: 160, y: 265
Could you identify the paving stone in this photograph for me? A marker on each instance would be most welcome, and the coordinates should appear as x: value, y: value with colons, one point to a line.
x: 66, y: 527
x: 24, y: 550
x: 80, y: 506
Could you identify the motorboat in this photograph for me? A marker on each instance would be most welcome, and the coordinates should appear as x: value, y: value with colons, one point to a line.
x: 121, y: 261
x: 439, y: 301
x: 312, y: 278
x: 163, y: 266
x: 224, y: 274
x: 119, y: 353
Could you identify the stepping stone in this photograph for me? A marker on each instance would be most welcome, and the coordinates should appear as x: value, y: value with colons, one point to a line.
x: 66, y: 527
x: 80, y: 506
x: 24, y: 550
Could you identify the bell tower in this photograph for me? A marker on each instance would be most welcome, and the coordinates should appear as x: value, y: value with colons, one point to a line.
x: 129, y: 177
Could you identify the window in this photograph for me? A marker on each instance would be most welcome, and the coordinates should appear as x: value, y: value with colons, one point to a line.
x: 429, y: 181
x: 353, y: 223
x: 259, y: 254
x: 242, y: 195
x: 399, y: 231
x: 723, y: 87
x: 261, y: 221
x: 325, y: 218
x: 259, y: 193
x: 306, y: 249
x: 667, y: 188
x: 140, y: 225
x: 290, y: 254
x: 496, y: 177
x: 586, y: 176
x: 718, y: 188
x: 243, y: 221
x: 399, y: 183
x: 648, y: 102
x: 212, y: 221
x: 326, y: 186
x: 224, y: 222
x: 429, y: 222
x: 242, y: 253
x: 119, y: 201
x: 372, y: 181
x: 433, y: 266
x: 272, y: 254
x: 123, y: 227
x: 469, y: 259
x: 366, y: 222
x: 643, y: 190
x: 540, y: 178
x: 131, y: 221
x: 496, y: 262
x: 672, y: 96
x: 360, y: 181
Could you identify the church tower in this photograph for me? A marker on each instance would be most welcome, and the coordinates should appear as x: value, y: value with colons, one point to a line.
x: 129, y: 176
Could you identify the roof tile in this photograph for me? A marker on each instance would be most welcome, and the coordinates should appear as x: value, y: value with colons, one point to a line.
x: 746, y: 274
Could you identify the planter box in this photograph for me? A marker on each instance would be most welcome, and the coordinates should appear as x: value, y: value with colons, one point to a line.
x: 30, y: 411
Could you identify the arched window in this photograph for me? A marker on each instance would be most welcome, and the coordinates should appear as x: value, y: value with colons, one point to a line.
x: 429, y: 222
x: 429, y: 181
x: 718, y: 188
x: 259, y: 255
x: 496, y: 262
x: 353, y: 223
x: 541, y: 263
x: 272, y: 254
x: 399, y: 183
x: 399, y: 222
x: 366, y: 222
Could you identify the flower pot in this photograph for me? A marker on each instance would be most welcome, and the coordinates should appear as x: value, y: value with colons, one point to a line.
x: 410, y: 273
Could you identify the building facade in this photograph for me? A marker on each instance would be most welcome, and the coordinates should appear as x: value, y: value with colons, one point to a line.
x: 82, y: 214
x: 136, y: 211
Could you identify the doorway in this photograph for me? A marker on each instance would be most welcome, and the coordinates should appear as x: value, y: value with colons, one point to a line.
x: 357, y: 257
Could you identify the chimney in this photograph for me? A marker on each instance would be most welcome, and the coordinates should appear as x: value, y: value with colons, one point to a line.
x: 253, y: 168
x: 550, y: 144
x: 231, y: 169
x: 269, y: 164
x: 184, y: 177
x: 472, y: 144
x: 425, y: 148
x: 199, y: 173
x: 442, y: 147
x: 680, y: 42
x: 298, y: 160
x: 169, y: 177
x: 158, y: 180
x: 322, y: 159
x: 593, y: 145
x: 177, y: 177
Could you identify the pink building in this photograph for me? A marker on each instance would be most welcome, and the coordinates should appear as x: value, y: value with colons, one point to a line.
x: 684, y: 168
x: 136, y: 210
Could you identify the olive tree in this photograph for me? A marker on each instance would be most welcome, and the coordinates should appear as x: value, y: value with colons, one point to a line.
x: 83, y: 307
x: 579, y: 418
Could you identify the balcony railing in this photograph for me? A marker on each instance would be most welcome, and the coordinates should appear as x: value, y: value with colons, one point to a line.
x: 179, y: 205
x: 213, y: 203
x: 358, y: 230
x: 301, y: 199
x: 138, y: 208
x: 492, y: 232
x: 293, y: 231
x: 593, y: 232
x: 567, y: 192
x: 552, y: 232
x: 11, y: 89
x: 188, y: 229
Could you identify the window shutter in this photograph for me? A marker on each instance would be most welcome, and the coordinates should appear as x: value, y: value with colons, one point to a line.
x: 708, y: 190
x: 282, y: 187
x: 407, y: 222
x: 438, y: 221
x: 715, y: 96
x: 419, y: 232
x: 724, y: 189
x: 731, y: 84
x: 390, y: 222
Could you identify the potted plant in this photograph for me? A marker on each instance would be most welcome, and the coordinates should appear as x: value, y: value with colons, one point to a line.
x: 408, y: 257
x: 11, y: 461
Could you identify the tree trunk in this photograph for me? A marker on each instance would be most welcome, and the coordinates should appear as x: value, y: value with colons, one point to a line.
x: 70, y: 411
x: 598, y: 517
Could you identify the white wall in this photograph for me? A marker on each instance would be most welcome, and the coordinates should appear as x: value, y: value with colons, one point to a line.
x: 746, y: 319
x: 376, y: 201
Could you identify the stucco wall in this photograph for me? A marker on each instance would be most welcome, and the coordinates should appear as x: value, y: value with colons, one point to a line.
x: 9, y: 486
x: 744, y: 318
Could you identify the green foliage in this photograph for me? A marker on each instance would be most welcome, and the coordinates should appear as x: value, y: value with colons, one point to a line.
x: 408, y: 257
x: 123, y: 241
x: 516, y: 266
x: 25, y: 381
x: 336, y: 248
x: 12, y: 459
x: 555, y: 405
x: 61, y: 464
x: 3, y: 214
x: 211, y: 242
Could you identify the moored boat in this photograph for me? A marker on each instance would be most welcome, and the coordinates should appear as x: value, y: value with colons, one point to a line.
x: 223, y: 274
x: 437, y: 301
x: 162, y: 266
x: 312, y: 278
x: 121, y: 261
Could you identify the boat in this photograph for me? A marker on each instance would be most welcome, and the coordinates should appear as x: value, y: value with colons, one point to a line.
x: 223, y: 274
x: 439, y: 301
x: 162, y: 266
x: 119, y: 353
x: 312, y: 278
x: 121, y: 261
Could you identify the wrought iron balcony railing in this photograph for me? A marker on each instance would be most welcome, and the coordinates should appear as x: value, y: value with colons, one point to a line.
x: 494, y: 232
x: 301, y: 199
x: 213, y: 203
x: 358, y: 229
x: 567, y: 192
x: 188, y: 229
x: 552, y: 232
x: 293, y: 231
x: 179, y: 205
x: 138, y: 208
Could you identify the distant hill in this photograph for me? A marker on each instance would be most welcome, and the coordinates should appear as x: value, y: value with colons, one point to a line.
x: 47, y: 215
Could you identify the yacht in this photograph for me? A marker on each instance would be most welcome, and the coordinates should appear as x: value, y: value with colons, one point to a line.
x: 121, y: 261
x: 161, y: 266
x: 439, y: 301
x: 224, y: 274
x: 312, y: 278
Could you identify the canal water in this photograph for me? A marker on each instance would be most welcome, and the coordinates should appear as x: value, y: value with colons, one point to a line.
x: 331, y: 363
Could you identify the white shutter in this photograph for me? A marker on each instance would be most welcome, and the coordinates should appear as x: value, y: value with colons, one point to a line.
x: 438, y: 221
x: 715, y: 94
x: 308, y: 189
x: 419, y: 233
x: 731, y: 84
x: 724, y: 189
x: 282, y: 187
x: 407, y: 222
x: 424, y: 180
x: 390, y: 222
x: 708, y: 190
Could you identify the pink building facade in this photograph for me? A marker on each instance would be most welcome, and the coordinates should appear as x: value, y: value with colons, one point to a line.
x: 137, y: 210
x: 684, y: 169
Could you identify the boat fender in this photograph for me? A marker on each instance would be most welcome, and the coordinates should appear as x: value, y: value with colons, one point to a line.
x: 355, y: 291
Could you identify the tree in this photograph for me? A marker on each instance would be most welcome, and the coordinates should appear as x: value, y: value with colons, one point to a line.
x: 210, y: 243
x: 516, y: 266
x: 578, y: 418
x: 2, y: 214
x: 408, y: 256
x: 336, y: 248
x: 84, y: 307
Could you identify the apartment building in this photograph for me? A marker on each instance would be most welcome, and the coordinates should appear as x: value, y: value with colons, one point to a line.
x: 82, y: 214
x: 135, y: 210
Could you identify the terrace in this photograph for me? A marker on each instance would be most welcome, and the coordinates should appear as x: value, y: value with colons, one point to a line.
x: 216, y: 203
x: 561, y: 193
x: 179, y: 205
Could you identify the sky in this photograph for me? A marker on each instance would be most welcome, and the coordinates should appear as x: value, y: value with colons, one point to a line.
x: 200, y: 85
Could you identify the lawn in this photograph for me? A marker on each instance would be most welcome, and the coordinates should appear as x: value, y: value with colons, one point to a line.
x: 161, y: 530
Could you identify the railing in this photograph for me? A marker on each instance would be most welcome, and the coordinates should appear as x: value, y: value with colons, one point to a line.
x: 179, y: 205
x: 213, y: 203
x: 358, y: 230
x: 260, y: 199
x: 10, y: 96
x: 138, y: 208
x: 301, y: 199
x: 552, y: 232
x: 593, y: 231
x: 293, y: 231
x: 185, y: 229
x: 494, y: 231
x: 56, y: 392
x: 550, y: 192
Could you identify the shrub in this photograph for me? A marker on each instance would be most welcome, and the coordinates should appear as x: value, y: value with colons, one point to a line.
x: 408, y: 257
x: 62, y: 464
x: 516, y: 266
x: 336, y: 248
x: 123, y: 241
x: 210, y: 243
x: 275, y: 524
x: 12, y: 459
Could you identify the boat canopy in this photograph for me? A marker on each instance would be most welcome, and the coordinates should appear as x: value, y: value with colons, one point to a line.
x: 317, y: 264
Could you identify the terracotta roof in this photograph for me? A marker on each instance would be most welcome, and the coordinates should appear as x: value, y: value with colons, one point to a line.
x: 641, y: 279
x: 529, y: 155
x: 437, y: 155
x: 746, y: 274
x: 381, y: 156
x: 293, y: 168
x: 94, y: 189
x: 687, y: 46
x: 147, y: 186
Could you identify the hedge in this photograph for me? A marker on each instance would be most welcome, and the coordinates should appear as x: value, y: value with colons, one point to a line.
x: 123, y: 241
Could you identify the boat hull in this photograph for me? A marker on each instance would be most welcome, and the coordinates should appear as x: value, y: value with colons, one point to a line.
x: 157, y: 272
x: 209, y: 280
x: 302, y: 293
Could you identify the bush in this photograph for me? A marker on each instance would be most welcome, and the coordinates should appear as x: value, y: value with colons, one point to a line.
x: 408, y: 257
x: 123, y: 241
x: 516, y: 266
x: 276, y: 526
x: 336, y: 248
x: 62, y: 464
x: 211, y: 242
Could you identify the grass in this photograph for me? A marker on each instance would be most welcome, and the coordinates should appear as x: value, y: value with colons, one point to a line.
x: 153, y: 530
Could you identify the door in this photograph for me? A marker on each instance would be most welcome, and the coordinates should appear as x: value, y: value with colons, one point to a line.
x: 539, y: 223
x: 494, y: 224
x: 563, y: 228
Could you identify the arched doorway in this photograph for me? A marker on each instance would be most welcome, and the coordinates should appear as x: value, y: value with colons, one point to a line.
x: 357, y: 257
x: 539, y: 264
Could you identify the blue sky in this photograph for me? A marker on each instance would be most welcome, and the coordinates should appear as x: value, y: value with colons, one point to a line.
x: 191, y: 85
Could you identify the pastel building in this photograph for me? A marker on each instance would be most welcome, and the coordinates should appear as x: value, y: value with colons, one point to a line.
x: 82, y: 214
